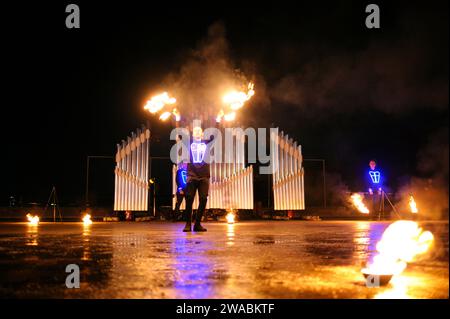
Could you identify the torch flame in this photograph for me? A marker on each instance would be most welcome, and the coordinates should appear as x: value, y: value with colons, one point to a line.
x: 401, y: 243
x: 413, y: 205
x: 87, y: 220
x: 164, y: 116
x: 177, y: 115
x: 357, y: 200
x: 33, y: 220
x: 157, y: 102
x: 235, y: 100
x: 230, y: 217
x: 220, y: 116
x: 230, y: 116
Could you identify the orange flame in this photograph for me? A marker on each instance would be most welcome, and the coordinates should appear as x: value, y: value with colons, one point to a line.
x: 164, y: 116
x: 157, y: 102
x: 33, y: 220
x: 230, y: 217
x: 177, y: 115
x: 357, y: 201
x: 413, y: 205
x: 235, y: 100
x: 401, y: 243
x: 87, y: 220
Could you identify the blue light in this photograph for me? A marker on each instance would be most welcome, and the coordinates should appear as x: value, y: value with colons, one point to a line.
x: 198, y: 151
x: 375, y: 176
x: 184, y: 177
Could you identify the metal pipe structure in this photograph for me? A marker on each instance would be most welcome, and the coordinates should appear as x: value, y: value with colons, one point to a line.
x: 288, y: 174
x: 231, y: 183
x: 131, y: 172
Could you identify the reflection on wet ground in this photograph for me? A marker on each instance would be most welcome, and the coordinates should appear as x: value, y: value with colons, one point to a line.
x: 261, y: 259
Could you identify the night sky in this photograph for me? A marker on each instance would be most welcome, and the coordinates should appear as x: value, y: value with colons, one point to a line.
x: 345, y: 92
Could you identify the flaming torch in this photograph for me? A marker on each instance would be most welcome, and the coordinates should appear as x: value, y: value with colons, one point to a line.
x: 413, y: 205
x: 158, y: 103
x: 234, y: 100
x: 87, y: 220
x: 33, y: 220
x: 400, y: 243
x: 357, y: 201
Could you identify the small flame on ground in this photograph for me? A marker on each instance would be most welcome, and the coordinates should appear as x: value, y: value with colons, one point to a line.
x: 33, y: 220
x: 231, y: 217
x: 413, y: 205
x: 87, y: 220
x: 357, y: 201
x: 401, y: 243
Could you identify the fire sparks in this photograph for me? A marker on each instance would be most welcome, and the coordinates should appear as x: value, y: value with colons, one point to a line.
x: 401, y: 243
x: 230, y: 217
x: 33, y: 220
x: 230, y: 116
x: 87, y: 220
x: 234, y: 100
x: 413, y: 205
x: 158, y: 102
x: 164, y: 116
x: 357, y: 201
x: 177, y: 115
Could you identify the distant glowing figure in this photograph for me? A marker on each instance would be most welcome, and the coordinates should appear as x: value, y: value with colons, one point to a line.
x: 375, y: 176
x: 375, y: 179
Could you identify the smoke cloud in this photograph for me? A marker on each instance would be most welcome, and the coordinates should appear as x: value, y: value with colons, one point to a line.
x: 430, y: 188
x: 206, y: 74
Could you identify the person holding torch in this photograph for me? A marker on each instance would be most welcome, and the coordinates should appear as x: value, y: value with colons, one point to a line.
x: 198, y: 175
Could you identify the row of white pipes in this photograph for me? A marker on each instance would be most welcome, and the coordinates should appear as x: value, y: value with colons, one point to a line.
x: 288, y: 174
x: 233, y: 192
x: 132, y: 172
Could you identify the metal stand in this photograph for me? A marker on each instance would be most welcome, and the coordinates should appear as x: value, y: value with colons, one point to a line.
x: 54, y: 202
x: 383, y: 196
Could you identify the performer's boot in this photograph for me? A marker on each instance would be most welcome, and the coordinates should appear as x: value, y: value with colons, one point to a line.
x: 198, y: 216
x: 197, y: 225
x: 188, y: 218
x: 187, y: 228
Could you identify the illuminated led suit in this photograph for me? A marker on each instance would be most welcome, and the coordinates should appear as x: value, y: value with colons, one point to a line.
x: 374, y: 181
x: 374, y: 185
x: 181, y: 180
x: 197, y: 180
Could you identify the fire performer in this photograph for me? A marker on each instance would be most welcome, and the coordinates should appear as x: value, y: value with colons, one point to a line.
x: 181, y: 180
x: 374, y: 186
x: 197, y: 178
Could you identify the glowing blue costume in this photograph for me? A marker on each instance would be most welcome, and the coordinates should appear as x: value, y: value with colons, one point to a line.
x: 374, y: 180
x: 181, y: 179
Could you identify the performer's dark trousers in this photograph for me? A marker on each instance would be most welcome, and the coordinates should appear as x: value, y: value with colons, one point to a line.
x: 202, y: 186
x: 375, y: 204
x: 176, y: 212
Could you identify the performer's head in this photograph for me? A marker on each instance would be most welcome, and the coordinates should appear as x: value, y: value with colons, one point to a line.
x: 372, y: 164
x: 197, y: 133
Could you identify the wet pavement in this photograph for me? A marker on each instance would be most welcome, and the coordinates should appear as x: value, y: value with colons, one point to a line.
x: 255, y: 259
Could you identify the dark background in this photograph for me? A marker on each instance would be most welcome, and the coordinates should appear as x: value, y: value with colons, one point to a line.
x: 345, y: 92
